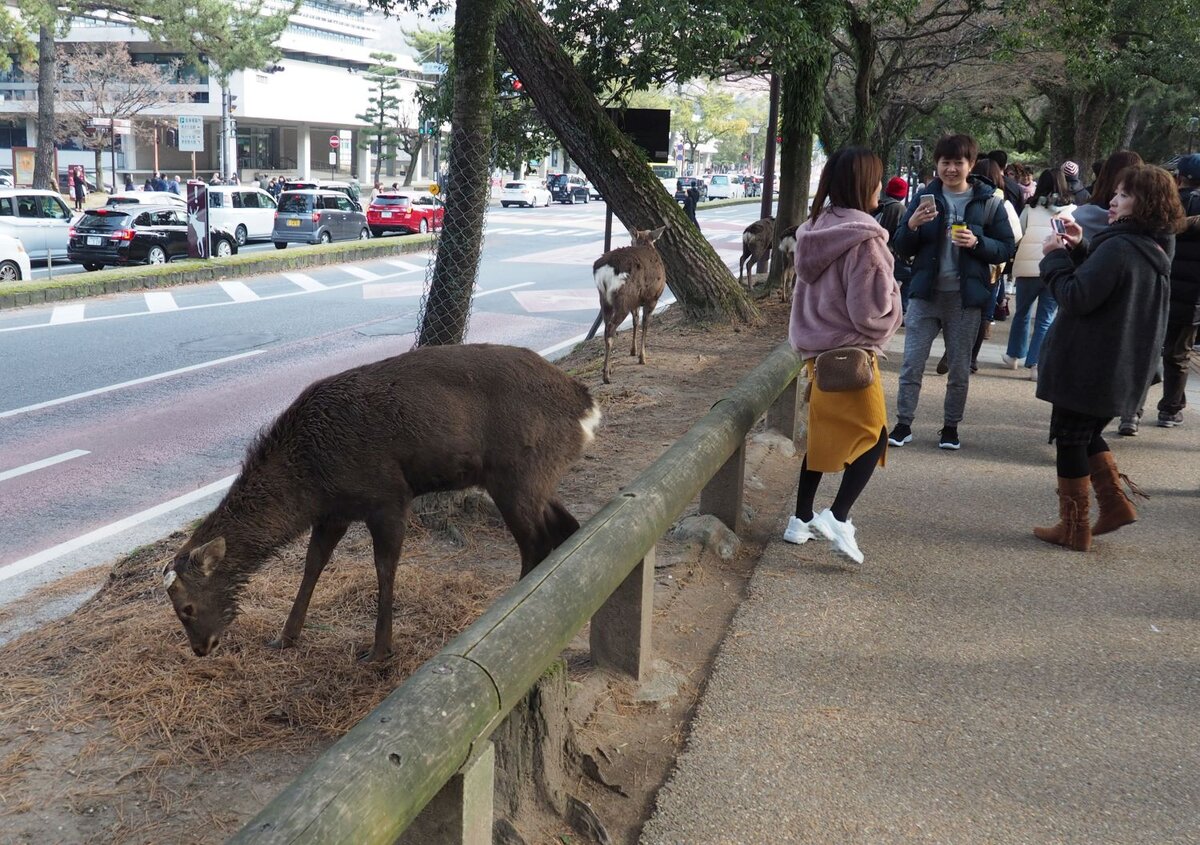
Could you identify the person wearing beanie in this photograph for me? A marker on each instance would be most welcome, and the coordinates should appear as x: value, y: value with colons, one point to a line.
x: 889, y: 213
x: 1076, y: 193
x: 897, y: 188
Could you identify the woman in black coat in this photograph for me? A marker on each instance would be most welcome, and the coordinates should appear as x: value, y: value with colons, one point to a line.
x: 1102, y: 350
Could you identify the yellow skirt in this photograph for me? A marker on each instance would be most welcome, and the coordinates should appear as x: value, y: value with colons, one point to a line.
x: 843, y: 426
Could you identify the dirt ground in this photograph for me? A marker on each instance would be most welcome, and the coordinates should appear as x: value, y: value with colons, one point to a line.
x: 111, y: 731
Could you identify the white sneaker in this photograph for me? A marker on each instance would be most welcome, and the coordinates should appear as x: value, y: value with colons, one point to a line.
x: 1010, y: 363
x: 1033, y: 373
x: 841, y: 534
x: 798, y: 531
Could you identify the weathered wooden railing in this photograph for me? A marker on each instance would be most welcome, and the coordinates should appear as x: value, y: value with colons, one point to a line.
x: 426, y: 747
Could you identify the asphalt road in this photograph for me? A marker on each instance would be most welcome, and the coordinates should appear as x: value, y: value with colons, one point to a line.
x: 123, y: 417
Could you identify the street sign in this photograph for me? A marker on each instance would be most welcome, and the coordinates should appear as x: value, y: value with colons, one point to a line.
x: 100, y: 122
x: 434, y: 189
x: 191, y: 133
x: 334, y: 142
x: 122, y: 126
x: 433, y: 68
x: 332, y: 158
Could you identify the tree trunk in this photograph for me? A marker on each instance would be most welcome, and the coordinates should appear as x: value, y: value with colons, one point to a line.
x: 701, y: 282
x: 43, y: 162
x: 1062, y: 119
x: 1132, y: 119
x: 468, y: 176
x: 862, y: 37
x: 1091, y: 114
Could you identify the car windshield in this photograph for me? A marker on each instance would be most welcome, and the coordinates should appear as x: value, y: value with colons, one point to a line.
x: 385, y: 200
x: 104, y: 220
x: 720, y: 180
x: 294, y: 203
x: 557, y: 179
x: 515, y: 186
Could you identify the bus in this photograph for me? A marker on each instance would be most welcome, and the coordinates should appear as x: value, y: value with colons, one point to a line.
x: 668, y: 174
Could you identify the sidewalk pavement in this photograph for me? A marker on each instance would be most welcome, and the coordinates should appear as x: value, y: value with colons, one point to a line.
x: 968, y: 683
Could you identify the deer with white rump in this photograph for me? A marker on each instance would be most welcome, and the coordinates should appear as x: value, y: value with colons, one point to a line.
x: 359, y: 446
x: 630, y: 278
x: 757, y: 240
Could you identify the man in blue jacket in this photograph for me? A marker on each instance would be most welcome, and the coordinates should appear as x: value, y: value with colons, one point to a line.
x: 953, y: 238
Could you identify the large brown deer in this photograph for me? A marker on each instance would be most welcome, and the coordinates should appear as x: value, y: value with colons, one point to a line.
x: 360, y: 445
x: 629, y: 278
x: 757, y: 240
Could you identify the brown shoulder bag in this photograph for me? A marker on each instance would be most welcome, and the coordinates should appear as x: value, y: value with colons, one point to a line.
x: 844, y: 369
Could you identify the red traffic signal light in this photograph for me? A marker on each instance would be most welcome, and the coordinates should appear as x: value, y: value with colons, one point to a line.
x: 778, y: 139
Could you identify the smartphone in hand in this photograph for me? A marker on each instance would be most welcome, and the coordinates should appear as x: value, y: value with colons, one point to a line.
x: 927, y: 201
x: 1059, y: 226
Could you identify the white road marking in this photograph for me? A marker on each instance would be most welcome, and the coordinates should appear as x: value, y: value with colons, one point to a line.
x: 42, y: 464
x: 365, y: 275
x: 110, y: 530
x: 392, y: 290
x: 304, y: 281
x: 403, y: 265
x: 159, y: 301
x: 239, y: 291
x: 579, y: 338
x: 501, y: 290
x: 72, y: 313
x: 143, y: 380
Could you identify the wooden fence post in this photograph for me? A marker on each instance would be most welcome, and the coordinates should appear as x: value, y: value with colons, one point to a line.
x: 461, y: 813
x: 621, y: 628
x: 722, y: 495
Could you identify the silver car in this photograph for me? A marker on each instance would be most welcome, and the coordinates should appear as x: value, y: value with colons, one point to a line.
x: 317, y: 217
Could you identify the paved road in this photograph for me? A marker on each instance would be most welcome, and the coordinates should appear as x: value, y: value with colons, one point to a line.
x: 122, y: 417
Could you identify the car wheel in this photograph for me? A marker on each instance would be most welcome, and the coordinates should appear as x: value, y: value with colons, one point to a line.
x: 91, y: 268
x: 587, y: 198
x: 571, y: 199
x: 9, y: 271
x: 280, y: 245
x: 364, y: 235
x: 423, y: 228
x: 240, y: 234
x: 224, y: 248
x: 506, y: 204
x: 156, y: 255
x: 325, y: 238
x: 546, y: 204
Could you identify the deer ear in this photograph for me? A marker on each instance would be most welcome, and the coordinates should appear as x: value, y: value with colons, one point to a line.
x: 205, y: 558
x: 657, y: 233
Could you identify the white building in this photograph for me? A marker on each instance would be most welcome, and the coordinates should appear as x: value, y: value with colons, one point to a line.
x: 283, y: 116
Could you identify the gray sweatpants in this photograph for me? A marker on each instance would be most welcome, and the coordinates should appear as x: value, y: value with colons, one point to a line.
x: 922, y: 322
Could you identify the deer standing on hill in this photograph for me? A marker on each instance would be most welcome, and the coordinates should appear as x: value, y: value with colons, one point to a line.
x: 629, y: 278
x: 757, y: 240
x: 787, y: 246
x: 360, y: 445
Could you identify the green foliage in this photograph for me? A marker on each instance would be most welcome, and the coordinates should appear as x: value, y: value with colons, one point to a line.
x: 382, y: 115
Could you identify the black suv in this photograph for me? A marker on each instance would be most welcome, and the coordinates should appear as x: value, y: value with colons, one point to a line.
x: 685, y: 182
x: 568, y: 187
x: 138, y: 234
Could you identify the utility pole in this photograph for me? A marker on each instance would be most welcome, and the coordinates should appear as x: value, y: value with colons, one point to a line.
x: 437, y: 130
x: 224, y: 128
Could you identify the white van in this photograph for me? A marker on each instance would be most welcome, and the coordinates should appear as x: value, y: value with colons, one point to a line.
x: 39, y: 219
x: 722, y: 187
x: 247, y: 212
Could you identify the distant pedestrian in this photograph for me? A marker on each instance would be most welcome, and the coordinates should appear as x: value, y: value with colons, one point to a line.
x: 1076, y: 192
x: 690, y: 200
x: 173, y: 185
x: 1103, y: 348
x: 888, y: 214
x: 129, y: 183
x: 216, y: 179
x: 80, y: 189
x: 845, y: 296
x: 1184, y: 313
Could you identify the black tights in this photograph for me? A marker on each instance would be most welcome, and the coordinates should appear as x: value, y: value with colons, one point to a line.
x: 854, y: 481
x: 1072, y: 461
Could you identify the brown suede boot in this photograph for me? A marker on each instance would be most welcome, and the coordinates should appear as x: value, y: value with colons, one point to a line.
x: 1073, y: 529
x: 1116, y: 507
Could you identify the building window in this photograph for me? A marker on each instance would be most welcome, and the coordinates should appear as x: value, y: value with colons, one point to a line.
x: 258, y: 148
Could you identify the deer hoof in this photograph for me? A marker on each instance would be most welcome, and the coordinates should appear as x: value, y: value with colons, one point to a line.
x: 607, y: 380
x: 641, y: 359
x: 281, y: 642
x: 368, y: 656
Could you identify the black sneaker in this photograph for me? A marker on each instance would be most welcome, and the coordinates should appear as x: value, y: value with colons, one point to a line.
x: 1170, y: 420
x: 943, y: 366
x: 949, y: 438
x: 1128, y: 428
x: 900, y: 435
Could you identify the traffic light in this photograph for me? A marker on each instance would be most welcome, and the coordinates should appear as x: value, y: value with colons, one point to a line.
x: 232, y: 103
x: 172, y: 138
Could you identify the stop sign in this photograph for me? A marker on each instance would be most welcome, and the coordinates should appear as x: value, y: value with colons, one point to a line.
x: 334, y: 142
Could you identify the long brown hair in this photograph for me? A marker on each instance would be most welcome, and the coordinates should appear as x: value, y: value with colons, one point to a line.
x: 850, y: 179
x: 1106, y: 182
x: 1156, y: 205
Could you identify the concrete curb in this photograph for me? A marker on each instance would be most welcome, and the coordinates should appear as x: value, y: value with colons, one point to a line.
x: 198, y: 272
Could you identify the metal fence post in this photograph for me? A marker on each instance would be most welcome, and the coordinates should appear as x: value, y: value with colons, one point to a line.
x: 722, y: 495
x: 621, y: 628
x: 461, y: 813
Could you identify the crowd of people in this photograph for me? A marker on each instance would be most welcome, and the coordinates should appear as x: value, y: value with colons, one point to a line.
x: 1107, y: 285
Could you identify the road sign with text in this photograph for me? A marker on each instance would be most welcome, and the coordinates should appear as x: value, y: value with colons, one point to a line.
x: 191, y: 133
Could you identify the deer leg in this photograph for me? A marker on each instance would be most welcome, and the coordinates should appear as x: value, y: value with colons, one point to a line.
x: 325, y: 537
x: 633, y: 316
x: 647, y: 310
x: 526, y: 517
x: 560, y: 522
x: 610, y: 329
x: 387, y: 538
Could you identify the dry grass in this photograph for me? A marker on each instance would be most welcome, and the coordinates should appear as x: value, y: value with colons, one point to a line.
x: 122, y: 659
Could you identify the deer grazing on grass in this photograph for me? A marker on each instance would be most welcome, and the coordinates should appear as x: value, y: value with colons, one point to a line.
x: 360, y: 445
x: 757, y: 240
x: 629, y: 278
x: 787, y: 246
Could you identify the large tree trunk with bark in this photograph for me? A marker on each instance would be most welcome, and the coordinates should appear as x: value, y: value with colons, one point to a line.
x: 468, y: 175
x: 1092, y: 112
x: 862, y: 37
x: 43, y: 162
x: 701, y: 282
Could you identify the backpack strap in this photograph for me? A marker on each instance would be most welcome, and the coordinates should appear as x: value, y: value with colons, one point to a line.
x: 993, y: 205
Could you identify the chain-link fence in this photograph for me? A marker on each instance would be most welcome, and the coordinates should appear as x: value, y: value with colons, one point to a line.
x: 453, y: 271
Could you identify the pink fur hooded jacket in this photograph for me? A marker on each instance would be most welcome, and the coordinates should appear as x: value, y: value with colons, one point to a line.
x: 845, y: 293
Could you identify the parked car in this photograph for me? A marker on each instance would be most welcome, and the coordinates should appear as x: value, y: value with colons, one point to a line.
x: 348, y: 188
x: 527, y: 194
x: 317, y: 216
x: 147, y: 198
x: 38, y: 219
x: 392, y: 211
x: 246, y: 211
x: 593, y: 191
x: 14, y: 260
x: 752, y: 185
x: 684, y: 182
x: 568, y: 187
x: 722, y: 187
x: 138, y: 234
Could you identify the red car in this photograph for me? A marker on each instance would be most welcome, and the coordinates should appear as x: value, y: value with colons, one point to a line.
x: 392, y: 211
